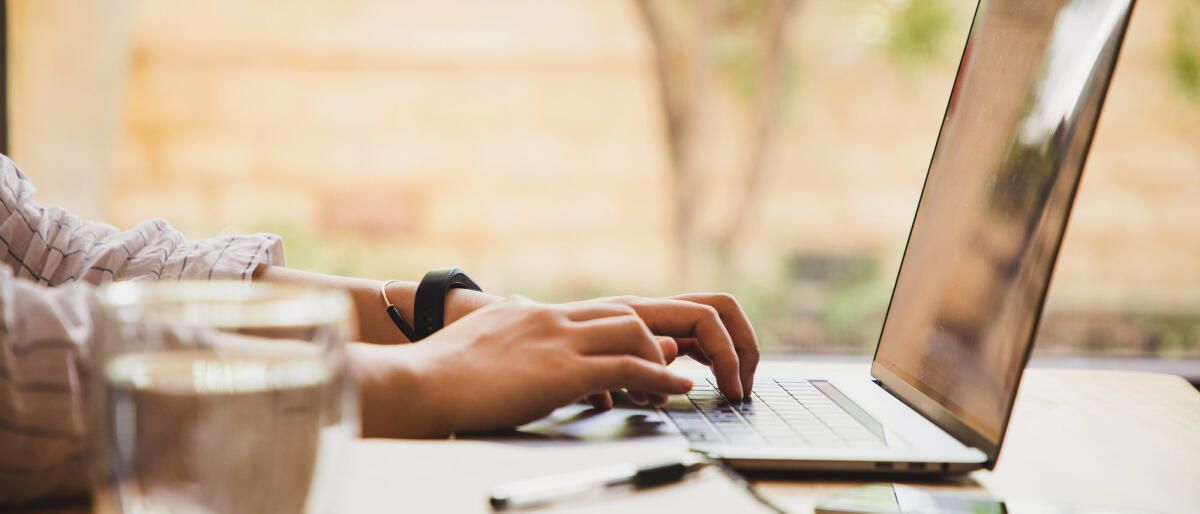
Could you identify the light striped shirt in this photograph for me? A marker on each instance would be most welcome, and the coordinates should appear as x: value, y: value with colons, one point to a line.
x: 52, y: 261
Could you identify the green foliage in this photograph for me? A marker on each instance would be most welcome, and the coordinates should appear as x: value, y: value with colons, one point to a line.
x: 830, y: 303
x: 311, y: 251
x: 1024, y: 179
x: 855, y: 312
x: 738, y: 40
x: 1170, y: 335
x: 918, y: 31
x: 740, y: 49
x: 765, y: 304
x: 1184, y: 48
x: 739, y: 57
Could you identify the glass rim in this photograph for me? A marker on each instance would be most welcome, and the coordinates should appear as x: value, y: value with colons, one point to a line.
x: 223, y: 303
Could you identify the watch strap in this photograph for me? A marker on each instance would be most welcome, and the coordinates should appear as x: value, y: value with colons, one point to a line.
x: 429, y: 304
x: 407, y: 329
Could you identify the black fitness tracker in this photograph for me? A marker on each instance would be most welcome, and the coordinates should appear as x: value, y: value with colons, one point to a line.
x: 429, y: 304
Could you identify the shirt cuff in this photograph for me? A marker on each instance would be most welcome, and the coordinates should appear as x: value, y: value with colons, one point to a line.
x: 232, y: 257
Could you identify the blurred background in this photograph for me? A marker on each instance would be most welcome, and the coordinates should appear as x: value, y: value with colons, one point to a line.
x: 772, y: 148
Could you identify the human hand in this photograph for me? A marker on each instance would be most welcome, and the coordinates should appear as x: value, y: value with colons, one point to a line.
x: 709, y: 327
x: 507, y: 364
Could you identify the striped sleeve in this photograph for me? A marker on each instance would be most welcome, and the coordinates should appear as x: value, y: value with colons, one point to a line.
x: 51, y: 247
x: 51, y: 261
x: 43, y: 348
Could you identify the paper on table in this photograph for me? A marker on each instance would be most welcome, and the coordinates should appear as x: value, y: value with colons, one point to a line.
x: 456, y: 475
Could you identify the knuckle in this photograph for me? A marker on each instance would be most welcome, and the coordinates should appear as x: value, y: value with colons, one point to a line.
x: 733, y: 359
x: 625, y: 309
x: 726, y: 300
x: 710, y: 312
x: 525, y: 312
x: 541, y: 316
x: 629, y: 300
x: 634, y: 324
x: 544, y: 312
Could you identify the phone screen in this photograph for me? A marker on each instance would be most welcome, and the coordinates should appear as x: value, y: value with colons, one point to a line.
x: 903, y: 499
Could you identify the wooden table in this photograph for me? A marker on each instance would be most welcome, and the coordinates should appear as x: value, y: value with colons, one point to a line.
x: 1118, y: 440
x: 1124, y: 441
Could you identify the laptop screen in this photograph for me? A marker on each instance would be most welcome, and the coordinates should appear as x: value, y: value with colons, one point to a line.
x: 994, y: 208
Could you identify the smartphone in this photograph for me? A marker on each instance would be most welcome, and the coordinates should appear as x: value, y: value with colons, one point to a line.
x: 904, y: 499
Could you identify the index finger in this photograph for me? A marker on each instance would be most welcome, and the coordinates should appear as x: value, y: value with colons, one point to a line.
x: 633, y: 373
x: 680, y: 318
x: 739, y: 327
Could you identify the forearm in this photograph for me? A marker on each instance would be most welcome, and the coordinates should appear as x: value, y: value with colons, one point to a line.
x: 374, y: 325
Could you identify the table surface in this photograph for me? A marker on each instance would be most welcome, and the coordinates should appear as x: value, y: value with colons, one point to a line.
x: 1113, y: 440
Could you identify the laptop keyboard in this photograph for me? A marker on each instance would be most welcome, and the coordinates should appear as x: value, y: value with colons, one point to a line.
x: 781, y: 413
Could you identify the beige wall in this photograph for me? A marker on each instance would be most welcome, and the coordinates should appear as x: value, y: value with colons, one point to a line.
x: 68, y: 63
x: 522, y: 141
x: 513, y: 139
x: 1134, y: 237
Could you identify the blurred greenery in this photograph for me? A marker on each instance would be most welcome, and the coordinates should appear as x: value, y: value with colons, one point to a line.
x: 918, y: 32
x: 764, y: 306
x: 855, y: 312
x: 1184, y: 48
x: 740, y: 51
x: 306, y: 249
x: 1169, y: 335
x: 1125, y: 333
x: 1024, y: 179
x: 824, y: 303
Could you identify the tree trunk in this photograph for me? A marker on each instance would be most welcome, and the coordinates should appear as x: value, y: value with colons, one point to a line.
x: 683, y: 79
x: 764, y: 133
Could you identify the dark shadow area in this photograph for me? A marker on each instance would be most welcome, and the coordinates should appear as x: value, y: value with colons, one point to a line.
x: 4, y: 77
x: 865, y: 478
x: 79, y: 503
x: 581, y: 422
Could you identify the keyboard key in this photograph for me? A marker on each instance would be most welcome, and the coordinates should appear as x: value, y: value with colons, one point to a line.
x: 780, y: 413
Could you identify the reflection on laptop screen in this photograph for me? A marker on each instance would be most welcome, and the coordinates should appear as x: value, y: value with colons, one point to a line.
x: 996, y: 201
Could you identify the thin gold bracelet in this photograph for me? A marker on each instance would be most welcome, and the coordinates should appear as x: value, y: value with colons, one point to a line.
x: 383, y: 293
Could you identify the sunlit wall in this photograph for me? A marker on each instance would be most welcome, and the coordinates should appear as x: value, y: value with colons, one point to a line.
x: 528, y: 143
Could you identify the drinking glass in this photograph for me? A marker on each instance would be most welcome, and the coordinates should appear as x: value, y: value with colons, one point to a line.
x: 220, y: 397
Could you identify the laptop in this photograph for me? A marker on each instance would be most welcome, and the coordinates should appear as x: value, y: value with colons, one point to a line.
x: 975, y: 271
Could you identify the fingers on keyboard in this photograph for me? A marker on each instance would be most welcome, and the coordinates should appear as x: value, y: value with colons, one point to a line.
x: 780, y: 413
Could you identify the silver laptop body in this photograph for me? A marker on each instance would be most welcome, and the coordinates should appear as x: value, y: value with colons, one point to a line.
x: 969, y: 293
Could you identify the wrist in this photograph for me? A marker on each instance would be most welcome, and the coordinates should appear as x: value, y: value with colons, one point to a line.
x: 397, y: 393
x: 461, y: 302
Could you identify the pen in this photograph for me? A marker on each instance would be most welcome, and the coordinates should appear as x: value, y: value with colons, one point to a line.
x: 539, y: 491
